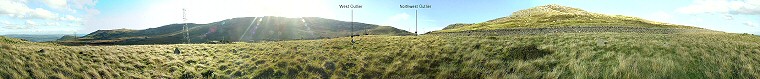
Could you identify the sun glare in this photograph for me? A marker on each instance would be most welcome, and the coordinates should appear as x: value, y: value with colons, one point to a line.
x: 206, y: 11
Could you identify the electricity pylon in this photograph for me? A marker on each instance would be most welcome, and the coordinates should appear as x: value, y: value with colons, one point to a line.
x: 184, y: 27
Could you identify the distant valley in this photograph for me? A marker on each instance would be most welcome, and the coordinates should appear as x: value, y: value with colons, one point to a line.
x: 39, y: 37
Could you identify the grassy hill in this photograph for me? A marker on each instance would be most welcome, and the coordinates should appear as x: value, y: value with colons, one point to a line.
x: 553, y: 16
x: 244, y: 29
x: 569, y: 55
x: 548, y: 52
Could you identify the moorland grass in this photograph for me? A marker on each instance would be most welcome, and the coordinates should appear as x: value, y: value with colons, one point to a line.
x: 562, y: 55
x: 549, y: 16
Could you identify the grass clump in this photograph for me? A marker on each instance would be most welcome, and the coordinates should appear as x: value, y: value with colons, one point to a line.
x: 526, y: 52
x: 556, y: 55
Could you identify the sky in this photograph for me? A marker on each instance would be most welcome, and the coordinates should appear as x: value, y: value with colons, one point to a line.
x: 85, y: 16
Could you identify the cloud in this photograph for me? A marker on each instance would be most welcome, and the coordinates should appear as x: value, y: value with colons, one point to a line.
x: 91, y: 12
x: 71, y: 18
x: 22, y: 1
x: 9, y: 25
x: 746, y: 7
x: 750, y: 24
x: 70, y: 5
x: 82, y: 4
x: 5, y: 22
x: 52, y: 24
x: 12, y: 8
x: 31, y: 23
x: 20, y: 10
x: 728, y: 17
x: 32, y: 14
x: 751, y: 7
x: 42, y: 14
x: 56, y: 4
x: 75, y: 24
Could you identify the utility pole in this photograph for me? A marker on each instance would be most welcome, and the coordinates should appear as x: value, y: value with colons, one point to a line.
x: 352, y: 7
x: 416, y: 13
x: 352, y: 26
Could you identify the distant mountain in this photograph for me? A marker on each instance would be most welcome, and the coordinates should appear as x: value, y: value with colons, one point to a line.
x: 557, y: 16
x: 268, y: 28
x: 38, y: 37
x: 9, y: 42
x: 67, y: 38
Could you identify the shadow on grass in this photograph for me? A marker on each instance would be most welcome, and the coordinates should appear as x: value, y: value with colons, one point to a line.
x: 528, y: 52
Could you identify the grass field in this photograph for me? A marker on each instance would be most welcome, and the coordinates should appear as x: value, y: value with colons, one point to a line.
x: 553, y: 55
x: 549, y: 41
x: 549, y: 16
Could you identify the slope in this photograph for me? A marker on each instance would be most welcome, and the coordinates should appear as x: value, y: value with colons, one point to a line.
x: 557, y: 16
x: 268, y: 28
x: 568, y: 55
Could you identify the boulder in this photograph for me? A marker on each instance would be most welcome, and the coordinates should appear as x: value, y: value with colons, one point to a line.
x: 176, y: 51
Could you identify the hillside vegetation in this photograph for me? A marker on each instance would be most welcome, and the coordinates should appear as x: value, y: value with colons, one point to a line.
x: 550, y: 16
x: 245, y: 29
x: 463, y: 51
x: 571, y: 55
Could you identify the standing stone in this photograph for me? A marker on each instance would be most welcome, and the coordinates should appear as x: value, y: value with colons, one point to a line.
x: 176, y: 51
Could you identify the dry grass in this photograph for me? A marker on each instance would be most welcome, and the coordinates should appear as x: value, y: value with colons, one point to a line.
x: 568, y: 55
x: 550, y: 16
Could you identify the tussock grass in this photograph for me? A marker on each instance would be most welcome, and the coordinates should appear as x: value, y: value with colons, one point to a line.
x: 552, y: 16
x: 565, y: 55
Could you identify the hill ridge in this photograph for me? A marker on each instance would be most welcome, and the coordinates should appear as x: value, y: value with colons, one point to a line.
x: 265, y: 28
x: 554, y: 15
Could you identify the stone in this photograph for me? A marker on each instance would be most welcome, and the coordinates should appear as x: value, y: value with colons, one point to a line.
x: 601, y: 42
x: 41, y: 51
x: 176, y: 51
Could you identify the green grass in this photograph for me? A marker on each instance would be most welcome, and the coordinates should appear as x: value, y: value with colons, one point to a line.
x: 567, y: 55
x: 268, y: 28
x: 560, y: 16
x: 698, y: 54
